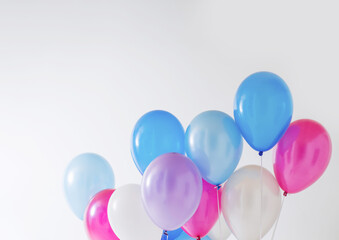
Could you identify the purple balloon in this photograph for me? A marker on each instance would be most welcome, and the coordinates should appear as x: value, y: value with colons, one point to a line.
x: 171, y: 190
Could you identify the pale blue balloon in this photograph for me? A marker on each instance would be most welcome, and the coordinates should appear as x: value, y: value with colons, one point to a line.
x: 263, y: 109
x: 85, y: 176
x: 214, y: 143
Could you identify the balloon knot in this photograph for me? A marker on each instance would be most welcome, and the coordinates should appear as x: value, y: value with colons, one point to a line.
x: 218, y: 186
x: 285, y: 194
x: 261, y: 153
x: 164, y: 235
x: 198, y: 238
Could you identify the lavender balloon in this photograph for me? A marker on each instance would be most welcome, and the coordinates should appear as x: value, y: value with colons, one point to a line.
x: 171, y: 190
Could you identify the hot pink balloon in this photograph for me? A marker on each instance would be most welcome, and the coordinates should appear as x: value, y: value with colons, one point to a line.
x: 302, y: 155
x: 207, y: 213
x: 96, y: 220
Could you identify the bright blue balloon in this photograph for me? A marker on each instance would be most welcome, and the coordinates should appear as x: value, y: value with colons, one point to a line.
x: 155, y: 133
x: 214, y: 143
x: 185, y: 236
x: 173, y: 235
x: 263, y: 109
x: 85, y: 176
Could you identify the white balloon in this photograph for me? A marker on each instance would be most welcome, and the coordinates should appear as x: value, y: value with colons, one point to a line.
x: 220, y: 231
x: 127, y: 216
x: 241, y: 202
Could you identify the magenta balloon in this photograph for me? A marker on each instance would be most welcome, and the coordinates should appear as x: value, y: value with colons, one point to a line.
x: 171, y: 190
x: 96, y: 220
x: 207, y: 213
x: 302, y: 155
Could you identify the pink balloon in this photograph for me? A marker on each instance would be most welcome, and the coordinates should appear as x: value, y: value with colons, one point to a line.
x: 302, y: 155
x: 207, y: 213
x: 96, y: 220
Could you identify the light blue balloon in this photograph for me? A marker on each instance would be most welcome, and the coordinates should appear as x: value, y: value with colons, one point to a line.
x: 156, y: 133
x: 85, y: 176
x: 185, y: 236
x: 263, y: 109
x: 214, y: 143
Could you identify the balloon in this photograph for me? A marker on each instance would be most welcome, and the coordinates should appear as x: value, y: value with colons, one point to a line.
x: 263, y: 109
x: 127, y: 215
x: 172, y: 235
x: 207, y: 213
x: 86, y: 175
x: 302, y: 155
x: 155, y: 133
x: 171, y: 190
x: 214, y: 143
x: 185, y: 236
x: 220, y: 230
x: 241, y: 202
x: 96, y: 220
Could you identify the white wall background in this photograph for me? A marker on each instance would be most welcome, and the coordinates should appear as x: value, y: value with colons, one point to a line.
x: 76, y: 75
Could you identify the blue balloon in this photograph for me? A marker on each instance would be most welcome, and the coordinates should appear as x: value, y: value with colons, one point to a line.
x: 263, y: 109
x: 172, y: 235
x: 185, y: 236
x: 86, y: 175
x: 214, y: 143
x: 156, y: 133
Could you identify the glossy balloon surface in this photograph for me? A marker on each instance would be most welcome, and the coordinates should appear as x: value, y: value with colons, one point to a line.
x: 220, y: 230
x: 241, y: 202
x: 302, y: 155
x: 85, y: 176
x: 157, y: 132
x: 185, y: 236
x: 171, y: 190
x: 96, y: 220
x: 214, y: 143
x: 263, y: 109
x: 127, y: 216
x: 207, y: 213
x: 172, y: 235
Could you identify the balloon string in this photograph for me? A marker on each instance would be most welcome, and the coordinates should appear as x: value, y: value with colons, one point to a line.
x: 261, y: 190
x: 218, y: 187
x: 276, y: 223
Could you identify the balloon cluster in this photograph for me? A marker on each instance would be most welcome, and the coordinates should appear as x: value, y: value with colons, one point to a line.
x: 188, y: 176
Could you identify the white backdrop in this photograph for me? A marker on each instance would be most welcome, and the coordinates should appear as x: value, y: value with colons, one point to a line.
x: 76, y: 75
